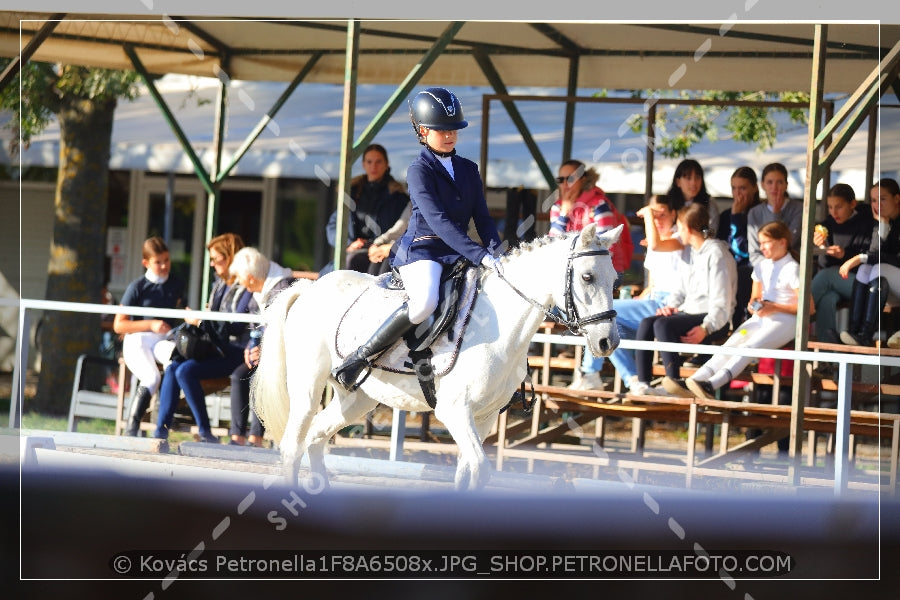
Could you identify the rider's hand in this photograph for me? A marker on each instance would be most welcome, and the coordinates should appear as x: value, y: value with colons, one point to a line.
x: 492, y: 263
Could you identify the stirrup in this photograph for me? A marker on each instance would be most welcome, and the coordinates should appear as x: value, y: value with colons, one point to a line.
x: 348, y: 367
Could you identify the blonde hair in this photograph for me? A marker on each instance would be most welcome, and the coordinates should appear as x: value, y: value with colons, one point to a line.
x: 226, y: 244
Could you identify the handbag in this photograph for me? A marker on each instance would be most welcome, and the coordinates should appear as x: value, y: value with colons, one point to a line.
x: 193, y: 342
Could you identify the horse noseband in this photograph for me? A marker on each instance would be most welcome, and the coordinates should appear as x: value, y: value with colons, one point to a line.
x: 570, y: 319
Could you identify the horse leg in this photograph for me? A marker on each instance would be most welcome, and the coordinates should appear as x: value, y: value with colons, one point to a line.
x: 343, y: 409
x: 291, y: 450
x: 305, y: 397
x: 472, y: 470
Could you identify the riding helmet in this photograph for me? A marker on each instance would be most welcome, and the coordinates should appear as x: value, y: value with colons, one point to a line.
x: 436, y: 108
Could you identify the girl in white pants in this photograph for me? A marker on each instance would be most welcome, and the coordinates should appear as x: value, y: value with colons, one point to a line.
x: 773, y: 306
x: 147, y: 353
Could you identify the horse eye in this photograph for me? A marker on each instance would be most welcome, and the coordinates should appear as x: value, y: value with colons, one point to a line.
x: 587, y: 277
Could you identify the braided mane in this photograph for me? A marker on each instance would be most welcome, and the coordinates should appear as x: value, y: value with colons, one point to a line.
x: 526, y: 247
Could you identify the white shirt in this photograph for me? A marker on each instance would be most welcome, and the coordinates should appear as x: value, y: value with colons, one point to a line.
x: 780, y: 279
x: 664, y: 268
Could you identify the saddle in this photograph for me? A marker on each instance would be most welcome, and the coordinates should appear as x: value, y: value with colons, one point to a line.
x: 453, y: 281
x: 436, y: 340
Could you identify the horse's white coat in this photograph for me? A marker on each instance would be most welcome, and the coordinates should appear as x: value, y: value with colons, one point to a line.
x: 298, y: 353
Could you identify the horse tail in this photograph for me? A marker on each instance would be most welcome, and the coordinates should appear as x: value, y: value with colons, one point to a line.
x: 268, y: 386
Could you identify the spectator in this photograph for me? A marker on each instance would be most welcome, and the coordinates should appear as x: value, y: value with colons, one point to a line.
x: 878, y: 270
x: 580, y: 202
x: 185, y: 375
x: 144, y: 343
x: 773, y: 309
x: 264, y: 278
x: 777, y: 207
x: 702, y: 305
x: 662, y: 279
x: 842, y: 235
x: 379, y: 213
x: 688, y: 186
x: 733, y: 231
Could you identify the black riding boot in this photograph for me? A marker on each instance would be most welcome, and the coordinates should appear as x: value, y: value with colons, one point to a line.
x: 878, y: 293
x: 858, y: 299
x: 390, y: 331
x: 140, y: 402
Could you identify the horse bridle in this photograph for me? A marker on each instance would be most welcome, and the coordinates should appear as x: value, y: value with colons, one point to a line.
x: 569, y: 317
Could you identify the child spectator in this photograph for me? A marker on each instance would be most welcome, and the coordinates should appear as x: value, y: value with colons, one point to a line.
x: 778, y: 206
x: 701, y: 306
x: 843, y: 234
x: 773, y: 309
x: 878, y: 269
x: 733, y: 231
x: 144, y: 344
x: 689, y: 187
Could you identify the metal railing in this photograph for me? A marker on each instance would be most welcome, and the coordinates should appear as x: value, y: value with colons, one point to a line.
x: 844, y: 363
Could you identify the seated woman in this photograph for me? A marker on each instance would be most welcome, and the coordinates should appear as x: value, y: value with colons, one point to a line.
x: 773, y: 306
x: 264, y: 278
x: 379, y: 211
x: 185, y: 374
x: 702, y: 305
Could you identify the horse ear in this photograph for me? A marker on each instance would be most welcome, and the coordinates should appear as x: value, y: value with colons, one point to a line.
x: 587, y: 234
x: 610, y: 237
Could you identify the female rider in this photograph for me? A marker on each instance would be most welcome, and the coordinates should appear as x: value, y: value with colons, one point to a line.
x: 446, y: 192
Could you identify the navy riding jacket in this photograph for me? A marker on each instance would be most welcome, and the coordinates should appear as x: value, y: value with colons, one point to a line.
x: 442, y: 207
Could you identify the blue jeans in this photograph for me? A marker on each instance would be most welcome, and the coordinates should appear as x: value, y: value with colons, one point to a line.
x: 629, y: 314
x: 185, y: 375
x: 829, y: 288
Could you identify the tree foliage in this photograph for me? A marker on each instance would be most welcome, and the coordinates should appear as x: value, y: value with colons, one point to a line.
x: 83, y: 101
x: 42, y: 89
x: 679, y: 127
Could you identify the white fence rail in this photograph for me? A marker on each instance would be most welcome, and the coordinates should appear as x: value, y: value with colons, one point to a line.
x: 844, y: 363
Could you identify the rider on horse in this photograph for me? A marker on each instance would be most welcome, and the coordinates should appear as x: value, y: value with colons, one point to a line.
x: 447, y: 192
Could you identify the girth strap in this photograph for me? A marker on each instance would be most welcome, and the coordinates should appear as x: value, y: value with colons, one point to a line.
x: 420, y: 362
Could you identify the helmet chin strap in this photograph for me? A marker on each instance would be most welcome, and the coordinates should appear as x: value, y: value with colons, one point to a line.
x: 422, y: 141
x: 437, y: 152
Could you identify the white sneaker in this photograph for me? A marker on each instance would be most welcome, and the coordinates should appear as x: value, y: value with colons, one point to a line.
x: 589, y: 381
x: 894, y: 341
x: 640, y: 388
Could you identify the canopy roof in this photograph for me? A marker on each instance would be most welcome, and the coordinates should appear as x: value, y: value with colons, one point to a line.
x: 735, y: 55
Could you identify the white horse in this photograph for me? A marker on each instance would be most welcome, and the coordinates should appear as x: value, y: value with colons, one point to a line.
x: 568, y: 276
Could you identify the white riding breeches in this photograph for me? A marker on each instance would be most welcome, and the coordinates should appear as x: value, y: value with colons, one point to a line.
x: 756, y: 332
x: 421, y: 279
x: 142, y: 351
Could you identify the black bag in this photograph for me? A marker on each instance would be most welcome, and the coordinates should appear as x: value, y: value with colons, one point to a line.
x: 196, y: 343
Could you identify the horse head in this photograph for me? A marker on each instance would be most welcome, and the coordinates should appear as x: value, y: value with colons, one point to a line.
x: 590, y: 281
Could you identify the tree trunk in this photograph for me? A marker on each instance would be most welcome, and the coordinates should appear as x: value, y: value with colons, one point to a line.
x: 75, y: 271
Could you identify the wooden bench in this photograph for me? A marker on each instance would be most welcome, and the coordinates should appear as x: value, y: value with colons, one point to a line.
x: 590, y: 405
x: 92, y: 404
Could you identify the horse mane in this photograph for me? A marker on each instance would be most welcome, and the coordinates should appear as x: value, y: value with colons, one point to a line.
x: 526, y: 247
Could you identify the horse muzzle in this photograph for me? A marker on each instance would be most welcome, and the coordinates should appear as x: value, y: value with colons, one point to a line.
x: 603, y: 338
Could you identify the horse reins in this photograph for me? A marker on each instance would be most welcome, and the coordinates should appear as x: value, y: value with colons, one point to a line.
x: 569, y: 317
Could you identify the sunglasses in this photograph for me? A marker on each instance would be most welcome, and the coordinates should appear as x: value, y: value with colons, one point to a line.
x: 570, y: 179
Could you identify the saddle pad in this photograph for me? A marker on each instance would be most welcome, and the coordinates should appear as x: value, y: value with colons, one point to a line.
x: 376, y: 303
